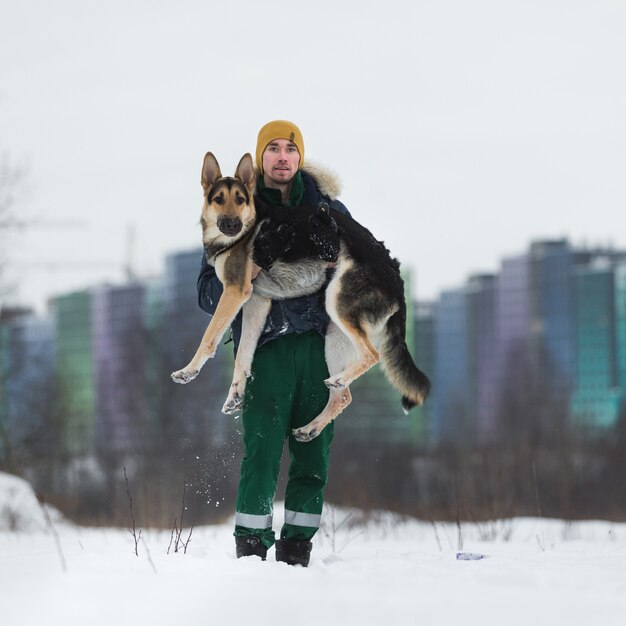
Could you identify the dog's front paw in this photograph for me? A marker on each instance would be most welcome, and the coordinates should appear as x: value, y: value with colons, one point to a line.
x: 305, y: 434
x: 182, y: 377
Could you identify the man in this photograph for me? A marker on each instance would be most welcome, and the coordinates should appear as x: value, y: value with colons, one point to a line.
x: 286, y: 389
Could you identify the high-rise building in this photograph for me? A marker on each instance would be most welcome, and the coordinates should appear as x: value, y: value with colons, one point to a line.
x: 551, y: 308
x: 424, y: 341
x: 598, y: 395
x: 450, y: 407
x: 154, y: 353
x: 193, y: 411
x: 119, y: 341
x: 513, y: 308
x: 77, y: 394
x: 482, y: 384
x: 620, y: 322
x: 513, y: 347
x: 465, y: 380
x: 27, y: 354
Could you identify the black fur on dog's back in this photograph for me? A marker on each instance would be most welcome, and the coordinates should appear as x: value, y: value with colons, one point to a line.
x: 370, y: 255
x: 363, y: 246
x: 371, y: 289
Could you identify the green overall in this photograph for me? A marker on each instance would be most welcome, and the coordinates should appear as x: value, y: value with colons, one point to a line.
x: 286, y: 391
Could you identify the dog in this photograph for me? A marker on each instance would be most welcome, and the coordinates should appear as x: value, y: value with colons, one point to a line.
x: 364, y: 298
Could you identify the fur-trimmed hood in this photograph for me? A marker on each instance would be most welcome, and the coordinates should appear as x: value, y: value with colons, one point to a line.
x: 326, y: 180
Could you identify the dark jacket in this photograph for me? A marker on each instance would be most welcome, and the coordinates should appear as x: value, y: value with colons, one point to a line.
x: 297, y: 315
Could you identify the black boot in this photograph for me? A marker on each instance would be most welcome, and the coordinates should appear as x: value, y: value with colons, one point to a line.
x: 293, y: 552
x: 249, y: 545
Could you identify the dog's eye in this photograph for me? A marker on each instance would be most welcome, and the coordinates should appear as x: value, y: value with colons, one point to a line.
x: 218, y: 200
x: 240, y: 200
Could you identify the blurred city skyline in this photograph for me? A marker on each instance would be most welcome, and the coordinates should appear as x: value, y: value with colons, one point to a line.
x: 528, y: 367
x: 550, y: 321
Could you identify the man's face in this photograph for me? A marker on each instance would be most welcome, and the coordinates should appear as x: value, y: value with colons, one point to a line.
x: 280, y: 161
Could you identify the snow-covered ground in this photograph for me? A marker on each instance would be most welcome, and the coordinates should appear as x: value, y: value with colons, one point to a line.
x: 378, y: 570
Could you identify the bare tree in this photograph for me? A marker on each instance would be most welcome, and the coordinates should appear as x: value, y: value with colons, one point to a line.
x: 11, y: 179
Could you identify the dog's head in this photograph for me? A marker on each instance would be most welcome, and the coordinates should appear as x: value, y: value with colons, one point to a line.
x: 228, y: 209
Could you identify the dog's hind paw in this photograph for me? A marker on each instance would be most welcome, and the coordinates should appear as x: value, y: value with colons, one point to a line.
x: 233, y: 405
x: 304, y: 434
x: 334, y: 383
x: 182, y: 377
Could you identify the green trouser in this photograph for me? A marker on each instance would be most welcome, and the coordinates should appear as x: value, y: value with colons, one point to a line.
x: 286, y: 391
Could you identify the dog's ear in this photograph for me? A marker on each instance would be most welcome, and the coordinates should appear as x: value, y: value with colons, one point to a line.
x: 245, y: 172
x: 210, y: 171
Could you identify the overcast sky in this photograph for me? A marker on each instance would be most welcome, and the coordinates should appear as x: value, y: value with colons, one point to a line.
x: 461, y: 130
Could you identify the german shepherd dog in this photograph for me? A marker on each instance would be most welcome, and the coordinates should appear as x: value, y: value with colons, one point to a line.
x: 364, y: 298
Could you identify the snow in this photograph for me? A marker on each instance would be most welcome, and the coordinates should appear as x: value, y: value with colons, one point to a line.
x: 374, y: 569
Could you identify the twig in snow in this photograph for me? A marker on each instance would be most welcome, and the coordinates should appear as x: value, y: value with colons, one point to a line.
x: 54, y: 534
x: 330, y: 530
x: 136, y: 535
x: 149, y: 555
x: 174, y: 529
x: 432, y: 521
x: 540, y: 540
x: 176, y: 535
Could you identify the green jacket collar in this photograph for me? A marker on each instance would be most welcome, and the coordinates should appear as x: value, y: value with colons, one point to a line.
x: 274, y: 197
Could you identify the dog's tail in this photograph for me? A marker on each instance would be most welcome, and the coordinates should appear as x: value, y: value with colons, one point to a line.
x: 399, y: 366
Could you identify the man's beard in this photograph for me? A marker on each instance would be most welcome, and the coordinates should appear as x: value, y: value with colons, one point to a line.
x: 281, y: 181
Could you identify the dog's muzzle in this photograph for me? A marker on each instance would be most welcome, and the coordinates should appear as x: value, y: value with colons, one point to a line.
x: 230, y: 226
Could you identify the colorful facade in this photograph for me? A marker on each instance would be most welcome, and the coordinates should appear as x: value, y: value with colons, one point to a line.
x: 539, y: 345
x: 75, y: 371
x: 119, y: 340
x: 598, y: 395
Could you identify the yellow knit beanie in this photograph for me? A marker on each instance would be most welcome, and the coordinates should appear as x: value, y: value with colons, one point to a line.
x: 278, y: 129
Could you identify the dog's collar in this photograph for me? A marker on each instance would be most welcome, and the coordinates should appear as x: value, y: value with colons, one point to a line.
x: 220, y: 250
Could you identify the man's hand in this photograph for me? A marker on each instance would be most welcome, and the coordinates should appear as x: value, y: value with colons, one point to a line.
x: 323, y: 233
x: 272, y: 243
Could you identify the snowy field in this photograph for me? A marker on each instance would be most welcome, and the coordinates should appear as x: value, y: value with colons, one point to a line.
x: 382, y: 569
